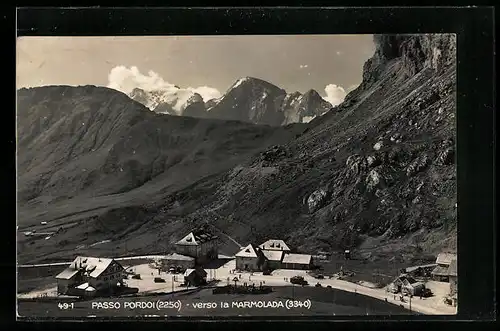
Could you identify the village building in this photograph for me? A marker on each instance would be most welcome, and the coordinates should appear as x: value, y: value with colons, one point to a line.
x: 407, y: 285
x: 87, y: 276
x: 195, y: 277
x: 199, y: 244
x: 443, y: 261
x: 250, y: 258
x: 273, y: 258
x: 275, y: 245
x: 412, y: 287
x: 297, y: 261
x: 452, y: 273
x: 176, y: 260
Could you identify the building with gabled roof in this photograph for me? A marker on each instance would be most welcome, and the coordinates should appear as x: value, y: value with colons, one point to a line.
x: 273, y: 258
x: 175, y: 260
x: 250, y: 258
x: 275, y: 245
x: 443, y: 262
x: 412, y: 286
x: 91, y: 275
x: 297, y: 261
x: 199, y: 244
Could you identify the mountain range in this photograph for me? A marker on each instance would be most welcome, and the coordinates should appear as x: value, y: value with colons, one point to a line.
x: 249, y: 99
x: 375, y: 174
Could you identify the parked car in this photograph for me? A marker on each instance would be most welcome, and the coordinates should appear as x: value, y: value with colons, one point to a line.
x: 159, y: 280
x: 299, y: 280
x: 426, y: 292
x: 136, y: 276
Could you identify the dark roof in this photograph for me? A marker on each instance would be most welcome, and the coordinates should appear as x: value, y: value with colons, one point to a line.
x: 197, y: 237
x: 405, y: 277
x: 275, y: 245
x: 440, y: 271
x: 201, y: 272
x: 452, y: 270
x: 425, y: 266
x: 202, y: 236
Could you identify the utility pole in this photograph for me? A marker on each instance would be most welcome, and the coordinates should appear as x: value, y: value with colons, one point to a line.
x: 410, y: 301
x: 172, y: 286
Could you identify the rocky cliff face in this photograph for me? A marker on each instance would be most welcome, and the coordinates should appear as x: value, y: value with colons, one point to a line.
x: 259, y: 102
x: 376, y: 173
x: 250, y: 100
x: 298, y: 108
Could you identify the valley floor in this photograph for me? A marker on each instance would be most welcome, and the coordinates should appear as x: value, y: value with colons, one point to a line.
x: 278, y: 279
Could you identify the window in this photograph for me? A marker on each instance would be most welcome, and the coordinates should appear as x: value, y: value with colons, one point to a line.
x: 105, y: 278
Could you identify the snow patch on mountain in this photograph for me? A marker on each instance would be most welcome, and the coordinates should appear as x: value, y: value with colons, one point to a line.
x: 239, y: 82
x: 156, y: 90
x: 307, y: 119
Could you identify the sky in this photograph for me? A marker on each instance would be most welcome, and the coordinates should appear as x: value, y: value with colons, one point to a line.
x: 209, y: 65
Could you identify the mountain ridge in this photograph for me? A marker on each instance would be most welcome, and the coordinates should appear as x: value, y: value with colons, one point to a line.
x: 267, y: 104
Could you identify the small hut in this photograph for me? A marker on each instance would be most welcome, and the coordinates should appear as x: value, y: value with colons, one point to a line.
x: 443, y: 261
x: 195, y: 277
x: 412, y: 287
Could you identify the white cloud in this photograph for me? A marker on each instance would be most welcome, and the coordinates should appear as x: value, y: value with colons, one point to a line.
x: 126, y: 79
x: 334, y: 94
x: 302, y: 66
x: 206, y: 92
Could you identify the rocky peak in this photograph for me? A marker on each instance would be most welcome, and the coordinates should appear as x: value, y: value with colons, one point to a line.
x: 256, y: 84
x: 139, y: 95
x: 252, y: 100
x: 416, y: 52
x: 312, y: 94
